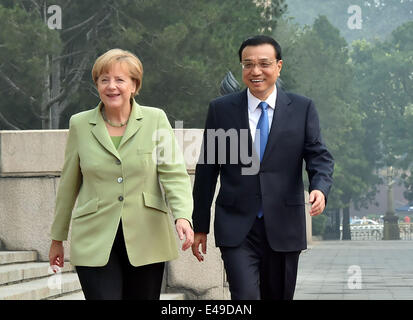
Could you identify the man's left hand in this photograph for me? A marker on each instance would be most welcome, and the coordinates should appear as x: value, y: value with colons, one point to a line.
x: 318, y: 202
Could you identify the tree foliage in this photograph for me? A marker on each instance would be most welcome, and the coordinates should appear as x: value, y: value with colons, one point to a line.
x: 364, y: 98
x: 378, y: 17
x: 186, y: 47
x: 385, y: 82
x: 316, y: 64
x: 362, y: 91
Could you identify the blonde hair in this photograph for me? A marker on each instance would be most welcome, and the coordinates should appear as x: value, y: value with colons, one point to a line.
x: 108, y: 59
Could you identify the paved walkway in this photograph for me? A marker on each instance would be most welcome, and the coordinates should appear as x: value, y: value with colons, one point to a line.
x: 356, y: 270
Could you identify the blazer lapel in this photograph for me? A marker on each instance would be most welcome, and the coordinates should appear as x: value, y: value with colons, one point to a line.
x: 281, y: 108
x: 134, y: 124
x: 242, y: 104
x: 101, y: 133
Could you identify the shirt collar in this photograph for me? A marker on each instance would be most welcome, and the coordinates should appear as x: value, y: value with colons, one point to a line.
x: 253, y: 101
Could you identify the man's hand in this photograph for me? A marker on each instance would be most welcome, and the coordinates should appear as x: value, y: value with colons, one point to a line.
x: 199, y: 239
x: 183, y: 228
x: 318, y: 202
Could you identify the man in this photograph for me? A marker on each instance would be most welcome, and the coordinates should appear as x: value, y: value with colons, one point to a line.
x: 260, y: 215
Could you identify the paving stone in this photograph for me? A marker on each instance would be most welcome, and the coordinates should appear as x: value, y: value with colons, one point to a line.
x: 329, y: 269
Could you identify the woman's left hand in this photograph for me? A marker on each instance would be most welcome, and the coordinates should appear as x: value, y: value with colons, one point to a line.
x: 184, y: 229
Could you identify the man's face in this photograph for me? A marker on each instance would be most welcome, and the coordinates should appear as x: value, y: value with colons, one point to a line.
x: 261, y: 69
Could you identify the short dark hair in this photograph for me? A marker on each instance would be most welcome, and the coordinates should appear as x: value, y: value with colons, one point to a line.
x: 258, y: 40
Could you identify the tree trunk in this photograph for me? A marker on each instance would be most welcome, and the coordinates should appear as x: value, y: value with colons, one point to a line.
x: 336, y: 223
x: 346, y: 223
x: 57, y: 107
x: 44, y: 110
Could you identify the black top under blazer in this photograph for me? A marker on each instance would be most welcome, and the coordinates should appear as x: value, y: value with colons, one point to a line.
x: 294, y: 136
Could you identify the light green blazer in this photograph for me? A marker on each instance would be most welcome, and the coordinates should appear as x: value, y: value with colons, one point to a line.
x: 124, y: 184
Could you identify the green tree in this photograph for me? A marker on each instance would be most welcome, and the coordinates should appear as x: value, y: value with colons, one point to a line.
x: 379, y: 17
x: 25, y: 41
x: 316, y: 64
x: 44, y: 67
x: 186, y: 47
x: 384, y: 82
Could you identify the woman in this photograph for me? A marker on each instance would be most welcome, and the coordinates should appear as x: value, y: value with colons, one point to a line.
x: 115, y: 166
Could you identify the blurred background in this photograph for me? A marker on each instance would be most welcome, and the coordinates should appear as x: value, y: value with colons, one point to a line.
x: 354, y: 58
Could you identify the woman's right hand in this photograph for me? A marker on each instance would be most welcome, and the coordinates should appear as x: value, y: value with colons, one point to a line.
x: 56, y: 254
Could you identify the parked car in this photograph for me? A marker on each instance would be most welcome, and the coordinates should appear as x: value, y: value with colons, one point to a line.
x: 366, y: 228
x: 365, y: 225
x: 358, y: 222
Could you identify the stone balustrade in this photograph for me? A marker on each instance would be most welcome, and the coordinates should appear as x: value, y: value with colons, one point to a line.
x: 30, y: 166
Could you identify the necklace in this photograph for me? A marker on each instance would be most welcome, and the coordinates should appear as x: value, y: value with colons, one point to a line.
x: 112, y: 124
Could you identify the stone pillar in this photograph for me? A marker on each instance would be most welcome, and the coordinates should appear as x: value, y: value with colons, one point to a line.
x: 391, y: 229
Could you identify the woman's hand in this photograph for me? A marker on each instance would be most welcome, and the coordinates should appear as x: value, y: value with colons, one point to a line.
x: 184, y: 229
x: 56, y: 254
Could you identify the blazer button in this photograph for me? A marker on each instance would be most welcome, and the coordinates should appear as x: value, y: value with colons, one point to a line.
x: 120, y: 180
x: 120, y: 198
x: 118, y: 162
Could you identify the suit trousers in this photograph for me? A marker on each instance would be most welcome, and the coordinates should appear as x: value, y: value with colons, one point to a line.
x: 119, y: 279
x: 254, y: 271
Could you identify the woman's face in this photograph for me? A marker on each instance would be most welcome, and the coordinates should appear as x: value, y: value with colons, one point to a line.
x: 116, y: 87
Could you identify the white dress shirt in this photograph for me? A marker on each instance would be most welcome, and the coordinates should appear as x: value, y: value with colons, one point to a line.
x: 254, y: 112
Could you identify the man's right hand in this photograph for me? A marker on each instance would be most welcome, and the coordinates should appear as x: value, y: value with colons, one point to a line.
x: 200, y: 238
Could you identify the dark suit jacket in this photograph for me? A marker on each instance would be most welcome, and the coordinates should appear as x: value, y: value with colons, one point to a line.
x: 294, y: 136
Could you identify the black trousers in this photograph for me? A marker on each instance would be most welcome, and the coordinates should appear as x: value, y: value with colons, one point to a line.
x: 118, y: 279
x: 255, y: 271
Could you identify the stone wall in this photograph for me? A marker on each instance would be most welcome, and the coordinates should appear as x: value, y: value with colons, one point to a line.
x: 30, y: 166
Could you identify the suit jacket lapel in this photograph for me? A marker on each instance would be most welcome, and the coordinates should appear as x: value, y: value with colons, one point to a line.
x: 101, y: 133
x: 134, y: 124
x: 281, y: 108
x: 243, y: 105
x: 245, y: 124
